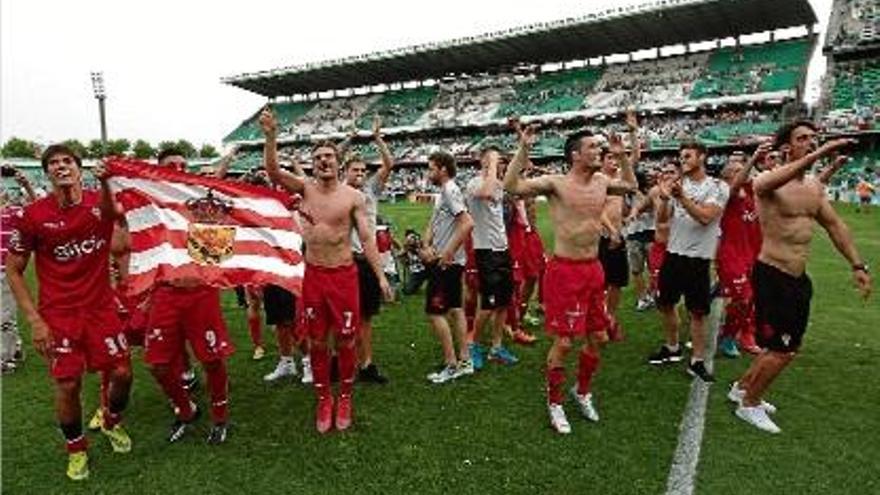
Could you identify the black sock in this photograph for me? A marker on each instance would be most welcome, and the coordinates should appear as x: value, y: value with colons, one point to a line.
x: 72, y: 431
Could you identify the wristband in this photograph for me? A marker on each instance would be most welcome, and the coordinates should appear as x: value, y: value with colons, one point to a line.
x: 860, y: 267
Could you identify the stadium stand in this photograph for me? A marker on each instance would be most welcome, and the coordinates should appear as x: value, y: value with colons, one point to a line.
x: 564, y: 77
x: 548, y: 93
x: 753, y: 69
x: 851, y: 100
x: 331, y: 116
x: 853, y: 23
x: 400, y: 108
x: 287, y: 113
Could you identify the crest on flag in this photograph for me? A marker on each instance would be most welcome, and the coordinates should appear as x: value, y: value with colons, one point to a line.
x: 223, y: 233
x: 209, y: 242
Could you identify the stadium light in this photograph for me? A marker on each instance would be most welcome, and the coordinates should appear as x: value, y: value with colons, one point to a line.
x: 101, y: 96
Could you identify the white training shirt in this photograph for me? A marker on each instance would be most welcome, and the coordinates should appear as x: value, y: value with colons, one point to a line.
x: 688, y: 237
x: 488, y: 215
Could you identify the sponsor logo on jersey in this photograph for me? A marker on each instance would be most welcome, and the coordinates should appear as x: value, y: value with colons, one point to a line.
x: 77, y: 249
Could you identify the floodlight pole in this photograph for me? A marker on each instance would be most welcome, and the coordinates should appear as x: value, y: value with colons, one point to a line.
x: 101, y: 96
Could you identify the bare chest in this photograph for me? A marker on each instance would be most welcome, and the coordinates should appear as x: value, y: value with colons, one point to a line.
x: 795, y: 199
x: 327, y: 210
x: 585, y: 200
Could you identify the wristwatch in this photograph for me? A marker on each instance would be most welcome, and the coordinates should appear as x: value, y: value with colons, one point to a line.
x: 860, y: 267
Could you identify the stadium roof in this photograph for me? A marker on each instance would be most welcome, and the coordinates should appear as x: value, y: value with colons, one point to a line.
x: 617, y: 30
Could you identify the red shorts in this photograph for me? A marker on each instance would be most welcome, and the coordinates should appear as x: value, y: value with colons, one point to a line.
x: 134, y: 311
x: 656, y: 255
x: 331, y: 300
x: 533, y: 259
x: 179, y: 315
x: 89, y: 339
x: 733, y: 276
x: 574, y: 298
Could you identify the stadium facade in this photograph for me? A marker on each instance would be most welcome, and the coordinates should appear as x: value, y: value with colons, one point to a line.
x: 692, y: 76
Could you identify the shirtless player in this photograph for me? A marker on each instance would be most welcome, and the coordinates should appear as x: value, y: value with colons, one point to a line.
x: 574, y: 281
x: 612, y: 248
x: 788, y: 202
x: 329, y: 211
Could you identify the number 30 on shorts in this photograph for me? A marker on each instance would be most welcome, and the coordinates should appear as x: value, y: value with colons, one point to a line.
x: 116, y: 345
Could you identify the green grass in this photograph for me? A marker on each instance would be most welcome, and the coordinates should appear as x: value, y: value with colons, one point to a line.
x: 488, y: 433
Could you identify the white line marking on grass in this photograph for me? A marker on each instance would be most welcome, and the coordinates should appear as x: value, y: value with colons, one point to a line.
x: 683, y: 472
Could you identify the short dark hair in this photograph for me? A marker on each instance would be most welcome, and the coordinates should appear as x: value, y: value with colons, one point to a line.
x: 58, y: 149
x: 490, y: 148
x: 326, y: 144
x: 573, y: 143
x: 173, y: 151
x: 445, y: 160
x: 693, y: 144
x: 352, y: 158
x: 783, y: 134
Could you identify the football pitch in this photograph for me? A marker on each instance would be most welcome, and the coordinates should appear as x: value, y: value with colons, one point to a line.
x: 489, y: 433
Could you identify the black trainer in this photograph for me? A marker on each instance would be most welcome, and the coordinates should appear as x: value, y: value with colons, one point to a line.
x: 180, y: 426
x: 190, y: 381
x: 697, y: 369
x: 664, y: 356
x: 218, y: 433
x: 371, y: 374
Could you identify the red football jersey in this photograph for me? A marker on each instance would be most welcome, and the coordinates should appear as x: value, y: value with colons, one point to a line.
x: 740, y: 230
x: 72, y: 250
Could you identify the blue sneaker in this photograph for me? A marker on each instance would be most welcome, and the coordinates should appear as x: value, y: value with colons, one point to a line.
x: 478, y: 355
x: 727, y: 346
x: 502, y: 355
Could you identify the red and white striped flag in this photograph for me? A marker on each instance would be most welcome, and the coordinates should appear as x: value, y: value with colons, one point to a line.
x: 221, y: 232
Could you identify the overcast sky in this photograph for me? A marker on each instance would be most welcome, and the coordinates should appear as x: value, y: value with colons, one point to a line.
x: 163, y: 60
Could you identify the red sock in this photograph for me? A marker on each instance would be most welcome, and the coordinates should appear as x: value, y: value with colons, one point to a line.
x: 255, y: 326
x: 105, y: 389
x: 218, y: 386
x: 346, y: 361
x: 170, y: 383
x: 320, y: 357
x: 80, y: 444
x: 555, y: 381
x: 588, y: 362
x: 735, y: 318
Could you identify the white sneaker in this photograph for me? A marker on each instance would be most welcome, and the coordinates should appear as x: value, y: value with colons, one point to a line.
x: 757, y: 417
x: 585, y: 402
x: 736, y: 395
x: 464, y: 368
x: 449, y: 373
x: 558, y: 420
x: 285, y: 367
x: 307, y: 377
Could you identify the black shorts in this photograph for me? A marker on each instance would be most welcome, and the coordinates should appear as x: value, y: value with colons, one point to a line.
x: 444, y: 289
x: 370, y: 292
x: 495, y: 273
x: 614, y: 263
x: 279, y: 305
x: 683, y: 275
x: 782, y: 307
